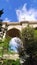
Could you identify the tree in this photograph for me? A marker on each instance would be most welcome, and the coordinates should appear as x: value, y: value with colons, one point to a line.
x: 6, y: 44
x: 29, y: 45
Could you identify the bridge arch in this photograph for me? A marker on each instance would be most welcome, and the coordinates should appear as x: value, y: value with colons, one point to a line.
x: 14, y: 32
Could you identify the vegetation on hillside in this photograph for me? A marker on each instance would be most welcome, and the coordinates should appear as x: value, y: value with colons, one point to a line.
x: 29, y: 52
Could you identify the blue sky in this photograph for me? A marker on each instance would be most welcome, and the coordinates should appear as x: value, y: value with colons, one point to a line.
x: 18, y: 10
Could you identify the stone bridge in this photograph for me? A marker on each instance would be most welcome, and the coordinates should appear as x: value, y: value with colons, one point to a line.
x: 13, y: 29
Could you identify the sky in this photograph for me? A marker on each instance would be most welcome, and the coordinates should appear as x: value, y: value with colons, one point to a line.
x: 19, y: 10
x: 14, y: 44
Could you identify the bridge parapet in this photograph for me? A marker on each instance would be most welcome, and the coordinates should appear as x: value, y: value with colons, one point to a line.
x: 6, y: 26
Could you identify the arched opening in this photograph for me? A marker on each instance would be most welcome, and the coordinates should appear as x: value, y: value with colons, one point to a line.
x: 13, y: 33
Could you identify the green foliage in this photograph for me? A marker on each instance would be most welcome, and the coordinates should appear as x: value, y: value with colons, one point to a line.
x: 35, y: 34
x: 27, y: 34
x: 6, y: 44
x: 0, y: 63
x: 17, y: 62
x: 28, y: 39
x: 29, y: 45
x: 11, y: 62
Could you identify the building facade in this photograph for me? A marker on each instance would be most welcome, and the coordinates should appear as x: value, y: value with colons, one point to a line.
x: 13, y: 29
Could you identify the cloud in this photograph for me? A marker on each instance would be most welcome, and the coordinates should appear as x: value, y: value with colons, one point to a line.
x: 6, y: 20
x: 25, y: 14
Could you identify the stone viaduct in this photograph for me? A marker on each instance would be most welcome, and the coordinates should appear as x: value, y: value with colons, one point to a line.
x: 13, y: 29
